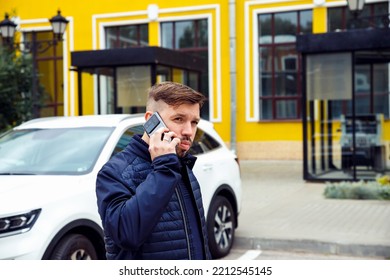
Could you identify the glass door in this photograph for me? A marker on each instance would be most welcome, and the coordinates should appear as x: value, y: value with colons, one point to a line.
x: 344, y: 127
x: 328, y: 86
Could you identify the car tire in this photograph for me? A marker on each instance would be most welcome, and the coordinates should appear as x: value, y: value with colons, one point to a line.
x: 221, y: 226
x: 74, y: 247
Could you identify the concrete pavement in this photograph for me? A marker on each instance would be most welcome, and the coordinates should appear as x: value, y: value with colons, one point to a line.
x: 282, y: 212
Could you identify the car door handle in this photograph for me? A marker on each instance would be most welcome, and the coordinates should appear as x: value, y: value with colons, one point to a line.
x: 207, y: 167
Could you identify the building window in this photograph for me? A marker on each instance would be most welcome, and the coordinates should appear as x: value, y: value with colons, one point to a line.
x: 187, y: 36
x: 279, y: 67
x: 48, y: 63
x: 340, y: 18
x: 132, y: 81
x: 127, y: 36
x: 371, y: 78
x: 190, y: 36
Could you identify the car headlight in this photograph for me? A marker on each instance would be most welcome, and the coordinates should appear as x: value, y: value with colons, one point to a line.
x: 18, y: 223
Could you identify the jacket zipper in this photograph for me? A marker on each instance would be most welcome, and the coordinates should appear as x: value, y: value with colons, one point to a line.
x: 199, y: 217
x: 185, y: 222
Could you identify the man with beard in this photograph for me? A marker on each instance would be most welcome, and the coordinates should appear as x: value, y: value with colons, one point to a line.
x: 148, y: 198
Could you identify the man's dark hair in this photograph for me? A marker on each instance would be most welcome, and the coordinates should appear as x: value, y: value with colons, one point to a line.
x: 175, y: 94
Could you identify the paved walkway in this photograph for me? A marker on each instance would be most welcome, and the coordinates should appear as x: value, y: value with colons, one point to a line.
x: 281, y: 211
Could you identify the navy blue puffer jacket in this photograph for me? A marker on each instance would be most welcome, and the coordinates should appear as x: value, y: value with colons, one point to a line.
x: 142, y: 211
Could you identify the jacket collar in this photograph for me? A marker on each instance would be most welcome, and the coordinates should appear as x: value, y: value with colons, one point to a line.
x: 188, y: 160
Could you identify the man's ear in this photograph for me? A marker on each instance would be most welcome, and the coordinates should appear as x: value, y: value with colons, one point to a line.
x: 147, y: 115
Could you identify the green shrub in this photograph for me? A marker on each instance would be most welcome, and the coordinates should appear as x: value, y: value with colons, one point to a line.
x: 385, y: 193
x: 358, y: 190
x: 17, y: 103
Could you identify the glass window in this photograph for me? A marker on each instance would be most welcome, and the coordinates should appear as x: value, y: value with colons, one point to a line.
x: 285, y: 27
x: 371, y: 77
x: 71, y: 151
x: 127, y: 36
x: 190, y: 36
x: 163, y: 73
x: 265, y: 28
x: 203, y: 33
x: 167, y: 35
x: 185, y: 35
x: 286, y: 109
x: 107, y: 95
x: 381, y: 88
x: 329, y: 76
x: 341, y: 18
x: 279, y: 69
x: 48, y: 92
x: 266, y: 70
x: 126, y: 137
x: 132, y: 85
x: 203, y: 143
x: 306, y: 22
x: 380, y: 10
x: 362, y: 89
x: 336, y: 19
x: 266, y: 109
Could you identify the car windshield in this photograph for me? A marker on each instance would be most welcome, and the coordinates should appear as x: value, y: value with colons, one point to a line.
x: 63, y: 151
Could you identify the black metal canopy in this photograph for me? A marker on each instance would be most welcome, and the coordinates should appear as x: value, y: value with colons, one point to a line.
x: 344, y: 41
x: 107, y: 61
x: 136, y: 56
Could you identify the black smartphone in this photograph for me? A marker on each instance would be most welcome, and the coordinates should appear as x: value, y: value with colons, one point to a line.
x: 153, y: 123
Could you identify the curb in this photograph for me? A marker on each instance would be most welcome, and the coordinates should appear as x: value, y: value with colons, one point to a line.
x: 314, y: 246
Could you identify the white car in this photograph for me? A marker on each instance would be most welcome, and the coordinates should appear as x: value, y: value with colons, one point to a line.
x: 48, y: 169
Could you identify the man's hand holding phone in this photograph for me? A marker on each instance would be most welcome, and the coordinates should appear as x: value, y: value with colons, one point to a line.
x: 161, y: 140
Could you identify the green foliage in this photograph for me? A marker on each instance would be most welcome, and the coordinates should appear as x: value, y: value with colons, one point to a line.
x: 16, y: 77
x: 385, y: 193
x: 357, y: 190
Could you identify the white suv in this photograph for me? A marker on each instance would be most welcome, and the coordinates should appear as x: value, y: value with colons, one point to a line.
x: 48, y: 170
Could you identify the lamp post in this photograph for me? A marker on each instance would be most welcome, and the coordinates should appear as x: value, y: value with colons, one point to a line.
x: 8, y: 28
x: 355, y: 7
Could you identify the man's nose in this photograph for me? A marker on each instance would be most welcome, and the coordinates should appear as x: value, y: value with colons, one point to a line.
x: 187, y: 129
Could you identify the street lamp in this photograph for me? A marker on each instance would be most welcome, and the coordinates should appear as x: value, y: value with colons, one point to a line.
x: 356, y: 7
x: 8, y: 27
x: 58, y: 23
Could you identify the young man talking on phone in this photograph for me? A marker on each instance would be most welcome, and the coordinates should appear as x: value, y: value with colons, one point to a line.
x: 148, y: 198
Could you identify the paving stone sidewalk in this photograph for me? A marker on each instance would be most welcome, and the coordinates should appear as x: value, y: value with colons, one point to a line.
x: 280, y: 211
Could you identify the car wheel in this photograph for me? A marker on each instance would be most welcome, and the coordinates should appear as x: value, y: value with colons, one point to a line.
x: 74, y: 247
x: 221, y: 225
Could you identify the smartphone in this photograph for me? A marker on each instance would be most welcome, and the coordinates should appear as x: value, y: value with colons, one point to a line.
x: 153, y: 123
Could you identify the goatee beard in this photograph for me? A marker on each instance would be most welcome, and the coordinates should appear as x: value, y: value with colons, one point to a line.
x: 180, y: 153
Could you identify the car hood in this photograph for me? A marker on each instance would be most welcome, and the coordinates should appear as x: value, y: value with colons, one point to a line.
x: 23, y: 192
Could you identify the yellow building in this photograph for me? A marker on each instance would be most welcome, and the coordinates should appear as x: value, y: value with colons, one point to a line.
x: 253, y: 83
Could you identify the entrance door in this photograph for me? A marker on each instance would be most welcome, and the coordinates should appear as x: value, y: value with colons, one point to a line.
x: 362, y: 122
x: 329, y: 87
x: 344, y: 137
